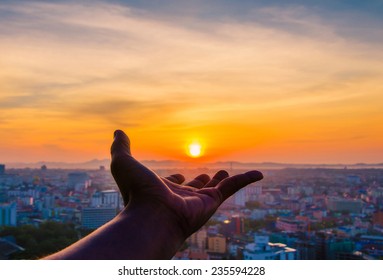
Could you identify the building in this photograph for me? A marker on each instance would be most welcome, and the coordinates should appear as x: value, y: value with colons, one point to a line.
x: 377, y: 218
x: 111, y: 198
x: 290, y: 225
x: 252, y: 192
x: 338, y: 204
x: 258, y: 214
x: 238, y: 199
x: 49, y: 201
x: 234, y: 225
x: 332, y: 247
x: 198, y: 240
x: 2, y: 169
x: 354, y: 180
x: 10, y: 180
x: 305, y: 249
x: 262, y: 249
x: 8, y: 214
x: 371, y: 245
x: 217, y: 244
x: 93, y: 218
x: 319, y: 214
x: 79, y: 181
x: 108, y: 198
x: 190, y: 255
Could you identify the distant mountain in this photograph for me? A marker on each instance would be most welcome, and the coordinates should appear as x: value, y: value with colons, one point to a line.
x: 170, y: 164
x: 92, y: 164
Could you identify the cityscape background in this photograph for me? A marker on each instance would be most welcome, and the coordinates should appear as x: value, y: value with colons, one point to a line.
x: 293, y: 213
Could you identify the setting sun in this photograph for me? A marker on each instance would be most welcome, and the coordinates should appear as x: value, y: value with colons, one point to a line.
x: 195, y: 150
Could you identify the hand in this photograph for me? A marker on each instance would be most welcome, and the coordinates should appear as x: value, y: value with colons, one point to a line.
x: 188, y: 206
x: 160, y: 213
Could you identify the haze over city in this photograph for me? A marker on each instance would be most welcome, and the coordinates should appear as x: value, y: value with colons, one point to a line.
x: 250, y: 81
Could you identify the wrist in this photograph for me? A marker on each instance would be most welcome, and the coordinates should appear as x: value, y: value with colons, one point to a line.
x: 155, y: 231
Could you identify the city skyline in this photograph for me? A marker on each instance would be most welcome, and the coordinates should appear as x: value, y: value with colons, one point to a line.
x: 282, y: 81
x: 304, y: 214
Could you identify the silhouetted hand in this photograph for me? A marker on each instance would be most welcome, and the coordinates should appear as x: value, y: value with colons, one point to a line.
x: 159, y: 213
x: 188, y: 206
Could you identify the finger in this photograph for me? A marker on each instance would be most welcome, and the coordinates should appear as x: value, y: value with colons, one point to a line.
x: 120, y: 145
x: 132, y: 177
x: 218, y: 177
x: 176, y: 178
x: 232, y: 184
x: 199, y: 182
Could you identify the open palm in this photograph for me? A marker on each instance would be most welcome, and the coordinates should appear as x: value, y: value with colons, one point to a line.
x: 187, y: 206
x: 159, y: 213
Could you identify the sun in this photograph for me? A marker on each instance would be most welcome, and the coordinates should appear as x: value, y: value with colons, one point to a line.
x: 195, y: 150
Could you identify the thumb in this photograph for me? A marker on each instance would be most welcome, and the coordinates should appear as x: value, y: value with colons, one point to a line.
x: 120, y: 145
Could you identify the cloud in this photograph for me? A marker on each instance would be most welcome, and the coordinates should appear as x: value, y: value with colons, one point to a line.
x: 97, y: 64
x: 125, y: 113
x: 330, y: 139
x: 71, y: 48
x: 23, y: 101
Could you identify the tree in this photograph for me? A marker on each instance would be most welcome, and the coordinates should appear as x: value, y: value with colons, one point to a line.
x: 40, y: 241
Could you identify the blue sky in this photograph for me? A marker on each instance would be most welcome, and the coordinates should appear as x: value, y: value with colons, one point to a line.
x: 361, y: 20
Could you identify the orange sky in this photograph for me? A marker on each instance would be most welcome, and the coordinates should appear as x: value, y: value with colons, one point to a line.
x: 298, y: 92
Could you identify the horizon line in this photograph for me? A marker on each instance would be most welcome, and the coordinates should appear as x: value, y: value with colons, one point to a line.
x: 170, y: 161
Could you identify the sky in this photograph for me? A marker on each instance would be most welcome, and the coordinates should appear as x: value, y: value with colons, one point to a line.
x: 251, y: 81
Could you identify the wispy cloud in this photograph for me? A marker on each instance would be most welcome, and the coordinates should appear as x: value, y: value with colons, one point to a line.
x: 129, y: 66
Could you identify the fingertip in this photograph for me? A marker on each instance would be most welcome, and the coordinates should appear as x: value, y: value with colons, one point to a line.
x: 121, y: 143
x: 120, y: 136
x: 220, y: 175
x: 255, y: 175
x: 199, y: 182
x: 119, y: 133
x: 178, y: 178
x: 204, y: 178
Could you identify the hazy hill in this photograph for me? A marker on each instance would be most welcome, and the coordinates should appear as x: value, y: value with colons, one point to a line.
x: 96, y: 163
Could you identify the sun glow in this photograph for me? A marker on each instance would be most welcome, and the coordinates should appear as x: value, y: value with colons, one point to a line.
x: 195, y: 150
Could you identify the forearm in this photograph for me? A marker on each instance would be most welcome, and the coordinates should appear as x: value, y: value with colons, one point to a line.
x: 139, y: 234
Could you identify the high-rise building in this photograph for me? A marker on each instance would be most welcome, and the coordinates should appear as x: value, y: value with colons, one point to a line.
x: 344, y: 205
x: 262, y: 249
x: 198, y: 239
x: 78, y: 181
x: 240, y: 198
x: 93, y: 218
x: 306, y: 249
x: 217, y: 244
x: 331, y: 247
x: 108, y: 198
x: 2, y: 169
x: 235, y: 225
x: 8, y: 214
